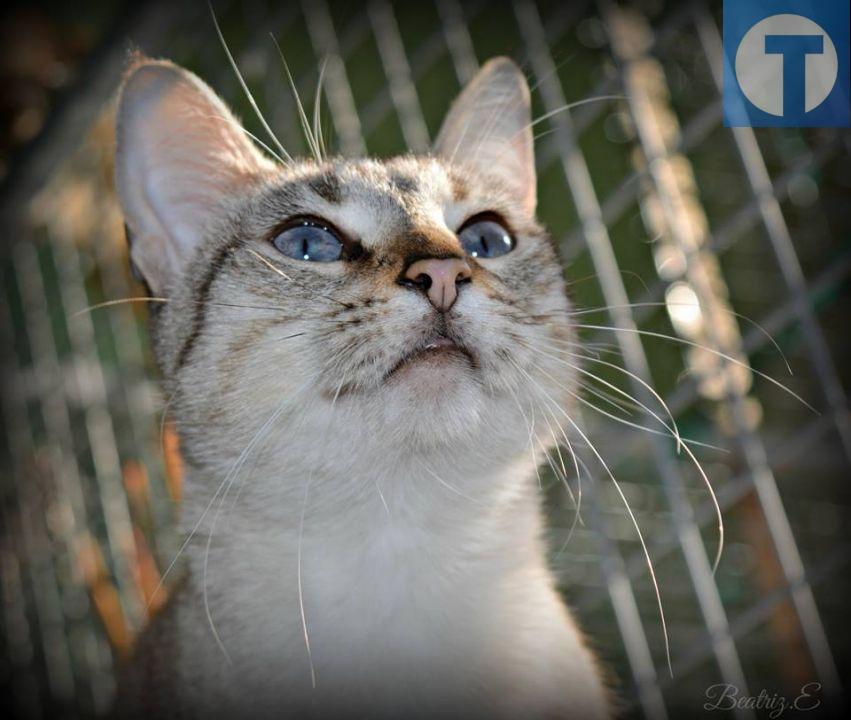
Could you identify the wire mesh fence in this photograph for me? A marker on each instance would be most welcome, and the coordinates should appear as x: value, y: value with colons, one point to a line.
x: 709, y: 263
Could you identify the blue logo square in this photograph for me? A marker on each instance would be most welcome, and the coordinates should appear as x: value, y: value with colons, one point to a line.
x: 787, y: 63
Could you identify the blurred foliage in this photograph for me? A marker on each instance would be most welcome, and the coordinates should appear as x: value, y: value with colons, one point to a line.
x: 73, y: 248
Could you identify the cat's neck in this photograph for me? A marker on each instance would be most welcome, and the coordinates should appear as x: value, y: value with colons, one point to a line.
x: 410, y: 506
x: 420, y: 544
x: 412, y: 526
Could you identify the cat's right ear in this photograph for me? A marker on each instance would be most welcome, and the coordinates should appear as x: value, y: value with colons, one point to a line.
x: 489, y: 127
x: 180, y: 156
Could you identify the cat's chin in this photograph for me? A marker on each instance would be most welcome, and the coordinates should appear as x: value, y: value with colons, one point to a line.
x: 437, y: 358
x: 447, y: 400
x: 436, y: 379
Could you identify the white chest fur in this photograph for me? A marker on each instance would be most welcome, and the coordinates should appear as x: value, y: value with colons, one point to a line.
x: 404, y: 595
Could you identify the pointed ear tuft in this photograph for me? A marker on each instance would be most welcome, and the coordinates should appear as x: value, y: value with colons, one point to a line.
x: 489, y: 128
x: 180, y: 156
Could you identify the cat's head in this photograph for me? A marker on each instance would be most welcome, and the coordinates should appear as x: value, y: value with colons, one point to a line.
x: 415, y: 300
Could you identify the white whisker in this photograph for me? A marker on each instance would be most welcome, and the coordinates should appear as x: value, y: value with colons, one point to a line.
x: 245, y: 89
x: 531, y: 426
x: 672, y: 427
x: 121, y: 301
x: 632, y: 517
x: 301, y: 587
x: 381, y: 496
x: 570, y: 106
x: 452, y: 488
x: 317, y: 109
x: 725, y: 356
x: 577, y: 498
x: 229, y: 122
x: 563, y: 474
x: 305, y: 124
x: 274, y: 268
x: 622, y: 404
x: 229, y: 478
x: 750, y: 321
x: 681, y: 444
x: 609, y: 398
x: 579, y: 463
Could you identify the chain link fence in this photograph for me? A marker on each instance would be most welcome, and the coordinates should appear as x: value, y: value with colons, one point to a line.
x: 711, y: 263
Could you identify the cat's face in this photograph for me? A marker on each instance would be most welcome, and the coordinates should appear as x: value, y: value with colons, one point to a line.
x: 415, y: 299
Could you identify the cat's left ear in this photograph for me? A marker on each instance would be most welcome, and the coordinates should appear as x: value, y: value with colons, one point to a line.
x: 181, y: 157
x: 489, y: 127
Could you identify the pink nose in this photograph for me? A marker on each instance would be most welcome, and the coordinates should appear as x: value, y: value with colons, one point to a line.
x: 439, y: 278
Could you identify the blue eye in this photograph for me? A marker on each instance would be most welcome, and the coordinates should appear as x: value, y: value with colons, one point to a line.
x: 485, y: 239
x: 309, y: 240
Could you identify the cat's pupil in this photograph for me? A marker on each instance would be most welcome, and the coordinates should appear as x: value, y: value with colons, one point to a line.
x: 486, y: 238
x: 309, y: 240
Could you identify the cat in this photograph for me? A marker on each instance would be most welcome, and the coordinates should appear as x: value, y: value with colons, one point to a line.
x: 354, y: 355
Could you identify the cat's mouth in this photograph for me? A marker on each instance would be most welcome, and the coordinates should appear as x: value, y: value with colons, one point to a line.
x: 438, y: 350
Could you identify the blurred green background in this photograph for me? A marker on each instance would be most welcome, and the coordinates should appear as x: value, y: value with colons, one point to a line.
x: 91, y: 479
